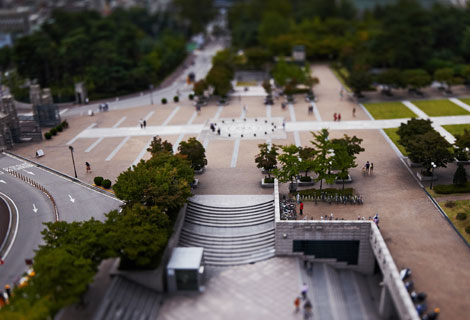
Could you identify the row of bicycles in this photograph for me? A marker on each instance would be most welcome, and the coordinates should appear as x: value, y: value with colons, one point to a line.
x: 288, y: 211
x: 334, y: 198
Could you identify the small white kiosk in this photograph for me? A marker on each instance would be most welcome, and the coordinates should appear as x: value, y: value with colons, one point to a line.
x: 185, y: 271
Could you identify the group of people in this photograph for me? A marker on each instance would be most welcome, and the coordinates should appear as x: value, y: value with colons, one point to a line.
x: 103, y: 107
x: 368, y: 168
x: 308, y: 308
x: 337, y: 116
x: 212, y: 126
x: 143, y: 123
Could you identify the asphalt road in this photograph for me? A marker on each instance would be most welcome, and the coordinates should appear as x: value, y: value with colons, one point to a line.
x: 75, y: 202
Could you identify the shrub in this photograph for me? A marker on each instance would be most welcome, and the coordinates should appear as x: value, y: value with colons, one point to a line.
x: 450, y: 204
x: 164, y: 101
x: 59, y: 128
x: 53, y: 131
x: 48, y: 136
x: 176, y: 99
x: 106, y: 183
x: 268, y: 180
x: 98, y: 181
x: 65, y: 124
x: 305, y: 179
x: 450, y: 188
x: 461, y: 216
x: 191, y: 96
x: 467, y: 229
x: 460, y: 176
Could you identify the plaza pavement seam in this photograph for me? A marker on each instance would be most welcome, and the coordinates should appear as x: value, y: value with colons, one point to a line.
x: 170, y: 117
x: 443, y: 132
x: 94, y: 144
x: 268, y: 111
x: 315, y: 111
x: 119, y: 122
x: 460, y: 103
x: 421, y: 114
x: 63, y: 111
x: 116, y: 150
x: 78, y: 135
x: 236, y: 148
x: 181, y: 136
x: 293, y: 119
x: 149, y: 115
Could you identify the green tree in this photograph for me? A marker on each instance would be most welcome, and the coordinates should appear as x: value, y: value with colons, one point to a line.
x: 199, y: 87
x: 289, y: 166
x: 416, y: 79
x: 162, y: 181
x: 195, y: 13
x: 447, y: 76
x: 390, y: 78
x: 359, y: 80
x: 267, y: 158
x: 158, y: 145
x: 465, y: 44
x: 284, y: 72
x: 460, y: 176
x: 343, y: 161
x: 427, y: 148
x: 194, y: 151
x: 273, y: 24
x: 323, y: 162
x: 462, y: 144
x: 351, y: 144
x: 413, y: 127
x: 307, y: 157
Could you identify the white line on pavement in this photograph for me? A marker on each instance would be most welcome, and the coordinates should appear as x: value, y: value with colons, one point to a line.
x: 63, y: 111
x: 94, y: 144
x: 446, y: 134
x: 297, y: 138
x: 142, y: 152
x: 269, y: 141
x: 116, y: 150
x: 366, y: 111
x: 78, y: 135
x: 292, y: 112
x: 415, y: 109
x: 173, y: 113
x: 181, y: 136
x: 147, y: 117
x: 316, y: 112
x: 219, y: 111
x: 7, y: 251
x: 268, y: 111
x: 119, y: 122
x: 460, y: 103
x: 236, y: 148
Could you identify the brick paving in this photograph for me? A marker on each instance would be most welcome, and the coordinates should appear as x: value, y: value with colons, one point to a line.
x: 417, y: 236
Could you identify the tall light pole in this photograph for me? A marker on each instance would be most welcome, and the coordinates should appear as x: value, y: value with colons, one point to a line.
x: 73, y: 161
x: 433, y: 166
x: 151, y: 94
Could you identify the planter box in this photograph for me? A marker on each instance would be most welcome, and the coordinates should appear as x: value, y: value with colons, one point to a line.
x: 200, y: 171
x: 340, y: 181
x: 305, y: 183
x: 425, y: 178
x: 462, y: 162
x: 266, y: 185
x: 412, y: 164
x: 195, y: 184
x: 264, y: 171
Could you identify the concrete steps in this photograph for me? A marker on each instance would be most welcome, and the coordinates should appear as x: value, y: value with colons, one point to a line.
x: 230, y: 235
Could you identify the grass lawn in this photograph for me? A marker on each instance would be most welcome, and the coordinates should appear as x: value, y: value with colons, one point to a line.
x: 247, y: 83
x: 451, y: 208
x: 456, y: 128
x: 438, y: 108
x: 392, y: 134
x: 342, y: 74
x: 465, y: 100
x: 389, y: 110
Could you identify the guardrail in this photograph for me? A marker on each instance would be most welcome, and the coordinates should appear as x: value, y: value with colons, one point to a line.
x: 37, y: 186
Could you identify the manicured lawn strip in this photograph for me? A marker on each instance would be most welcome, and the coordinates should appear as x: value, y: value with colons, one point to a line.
x: 460, y: 206
x: 438, y: 108
x: 342, y: 74
x: 392, y: 134
x: 465, y: 100
x: 389, y: 110
x: 456, y: 128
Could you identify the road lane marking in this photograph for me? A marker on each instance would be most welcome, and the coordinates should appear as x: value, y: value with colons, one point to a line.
x: 71, y: 199
x: 34, y: 208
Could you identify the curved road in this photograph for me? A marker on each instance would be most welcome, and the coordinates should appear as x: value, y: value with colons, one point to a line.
x: 75, y: 202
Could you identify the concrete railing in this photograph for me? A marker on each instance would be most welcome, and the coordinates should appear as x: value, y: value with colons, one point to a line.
x: 392, y: 280
x: 37, y: 186
x: 277, y: 209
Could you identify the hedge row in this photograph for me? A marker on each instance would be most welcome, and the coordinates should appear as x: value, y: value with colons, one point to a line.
x: 53, y: 132
x: 327, y: 191
x: 450, y: 188
x: 101, y: 182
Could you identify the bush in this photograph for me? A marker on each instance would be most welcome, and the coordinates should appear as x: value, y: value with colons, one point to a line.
x: 164, y: 101
x: 65, y: 124
x: 98, y: 181
x: 48, y: 136
x: 460, y: 176
x: 106, y: 183
x: 467, y: 229
x: 305, y: 179
x: 59, y: 128
x: 53, y: 131
x: 450, y: 188
x: 176, y: 99
x: 461, y: 216
x: 191, y: 96
x: 268, y: 180
x: 450, y: 204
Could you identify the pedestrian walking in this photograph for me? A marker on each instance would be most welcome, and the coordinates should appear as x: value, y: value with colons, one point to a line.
x: 218, y: 131
x: 88, y: 167
x: 367, y: 167
x: 297, y: 304
x: 335, y: 117
x: 301, y: 207
x: 339, y: 116
x: 371, y: 169
x: 304, y: 291
x: 308, y: 310
x: 145, y: 123
x: 298, y: 198
x: 244, y: 109
x: 141, y: 123
x: 377, y: 220
x: 310, y: 109
x: 354, y: 111
x: 284, y: 124
x: 341, y: 93
x: 331, y: 216
x: 212, y: 127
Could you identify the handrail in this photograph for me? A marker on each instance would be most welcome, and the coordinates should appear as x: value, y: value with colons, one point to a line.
x: 37, y: 186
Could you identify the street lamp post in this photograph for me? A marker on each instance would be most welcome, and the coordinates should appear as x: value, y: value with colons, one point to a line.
x: 151, y: 94
x: 433, y: 166
x: 73, y: 161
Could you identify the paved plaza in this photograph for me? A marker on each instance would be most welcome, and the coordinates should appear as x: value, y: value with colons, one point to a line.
x: 416, y: 234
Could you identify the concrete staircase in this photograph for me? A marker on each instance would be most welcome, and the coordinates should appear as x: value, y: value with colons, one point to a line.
x: 230, y: 235
x: 340, y: 294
